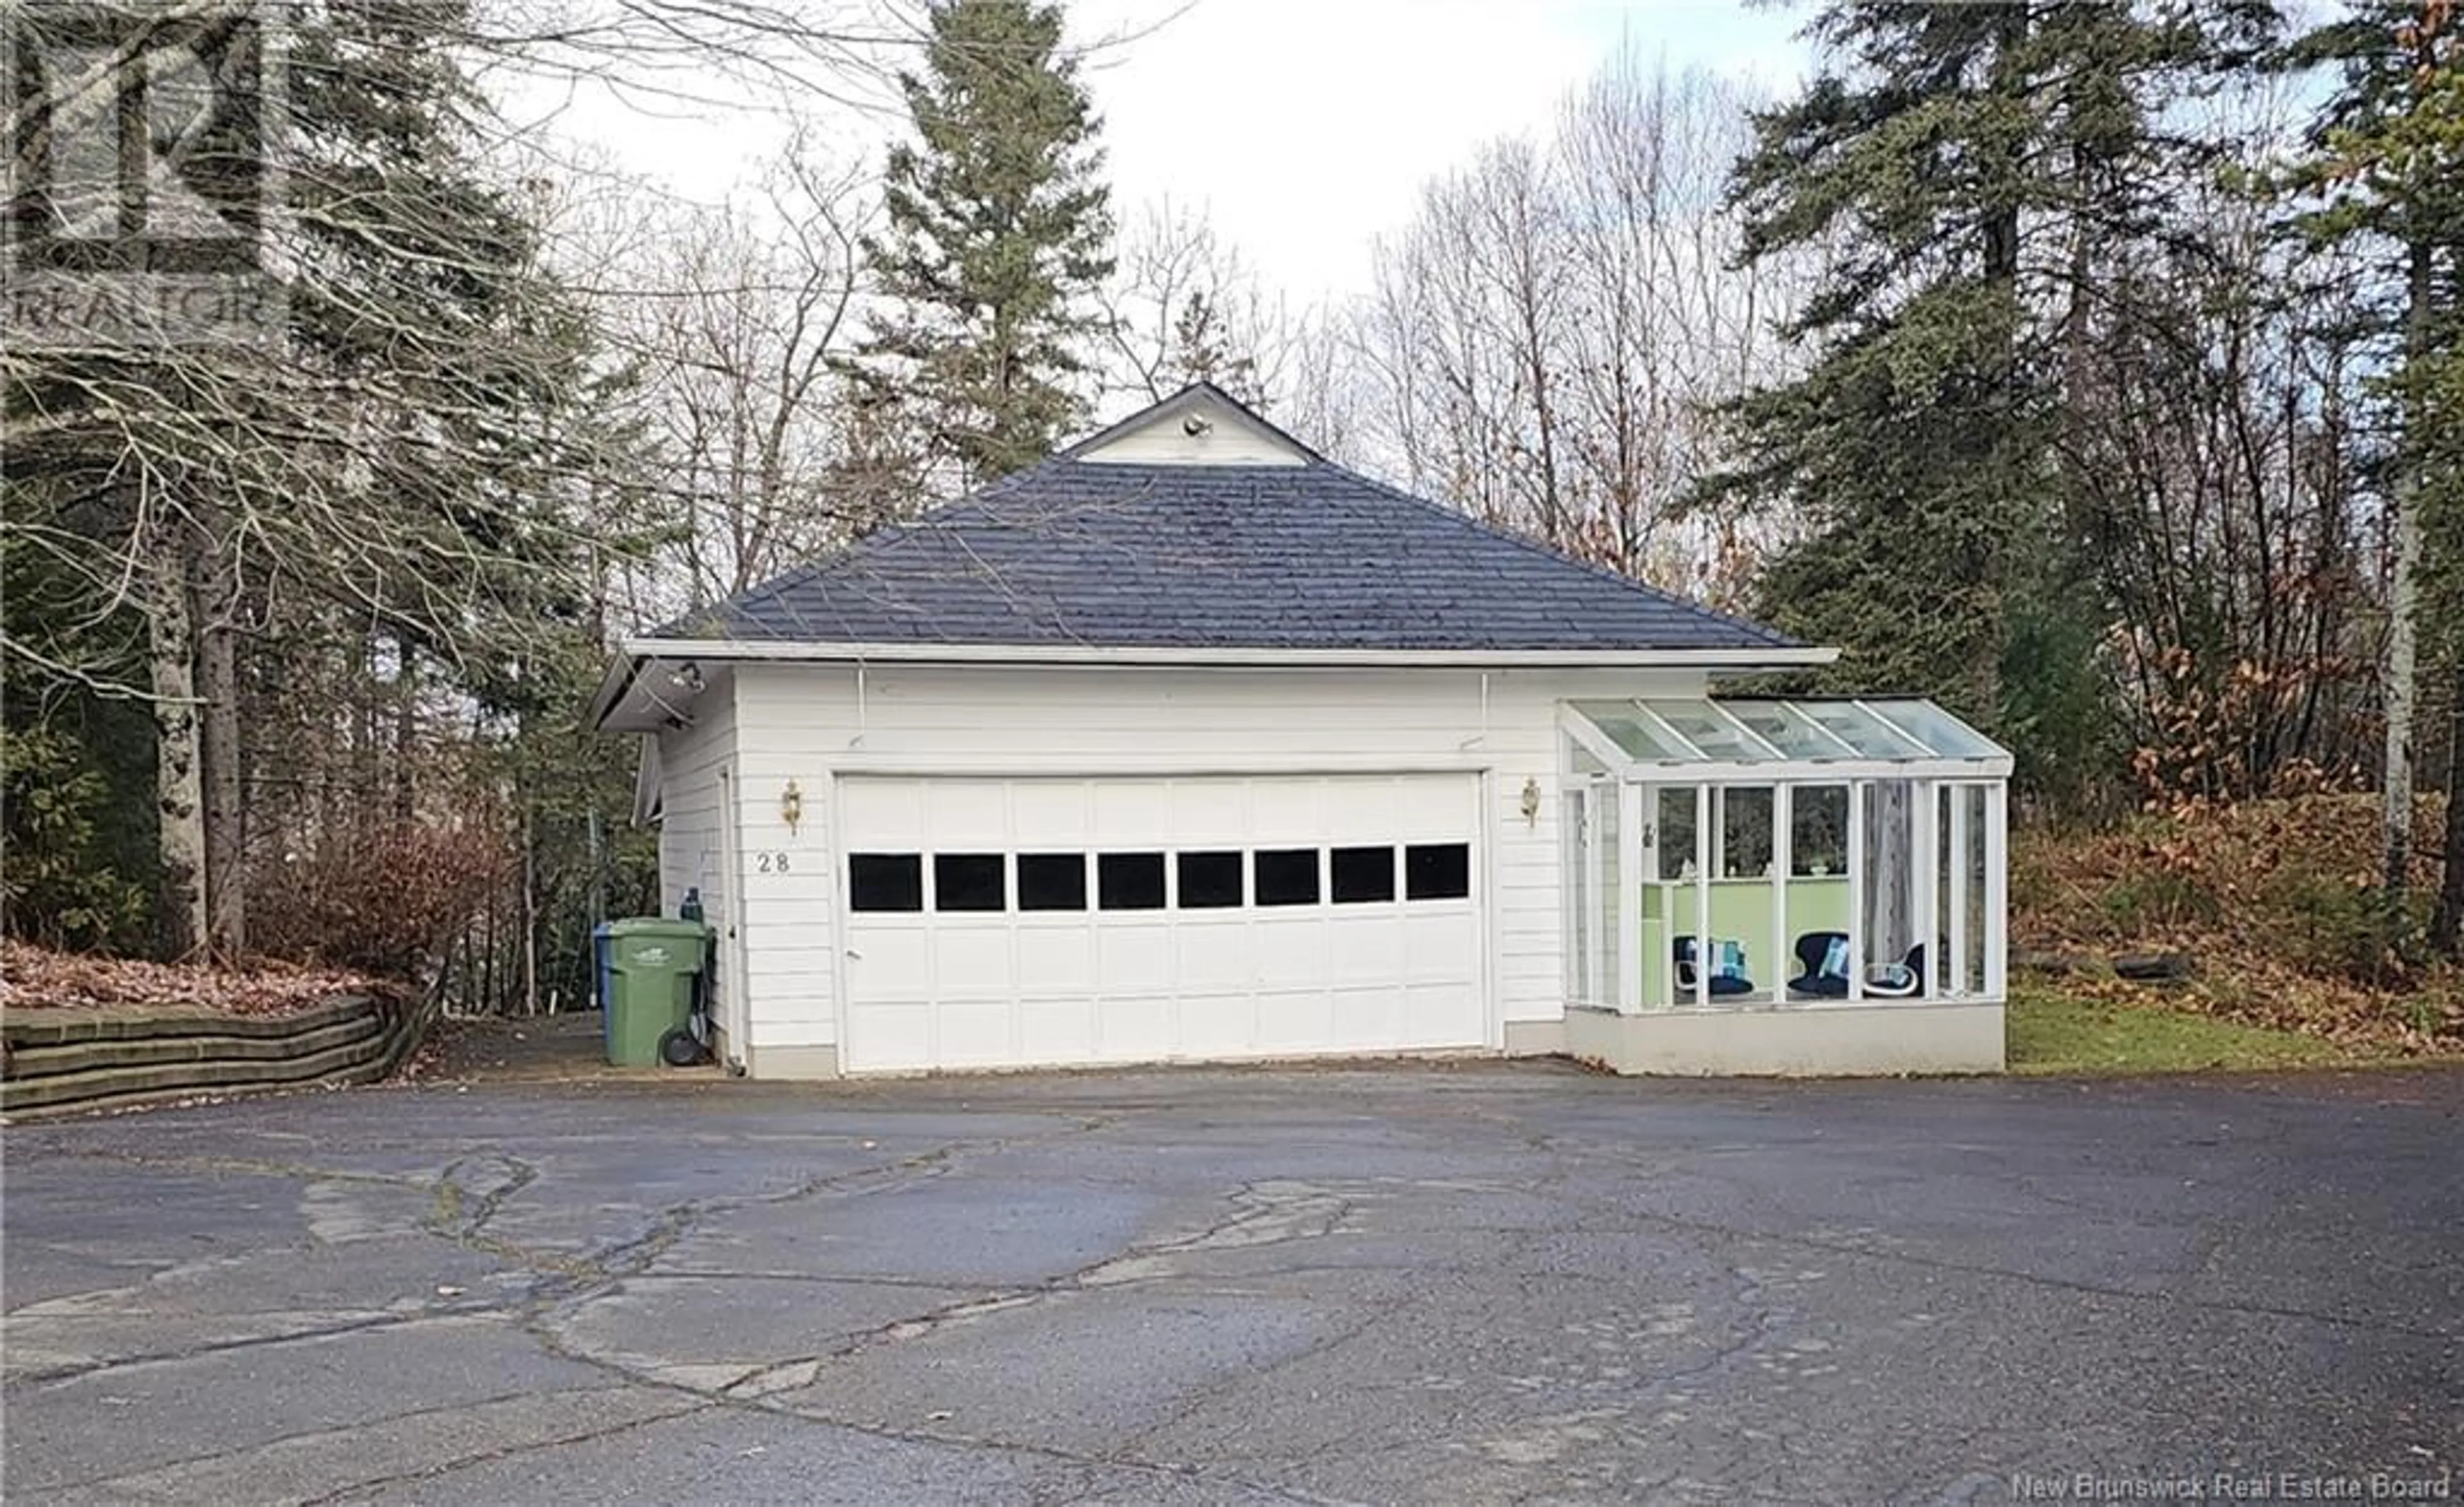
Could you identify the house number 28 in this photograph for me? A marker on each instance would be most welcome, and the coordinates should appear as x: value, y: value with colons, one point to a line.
x: 770, y: 863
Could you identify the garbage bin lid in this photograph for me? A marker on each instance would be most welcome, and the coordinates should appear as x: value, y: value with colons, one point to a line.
x: 655, y: 926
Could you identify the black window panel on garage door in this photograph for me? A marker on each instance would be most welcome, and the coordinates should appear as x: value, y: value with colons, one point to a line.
x: 1287, y: 876
x: 1129, y: 881
x: 1437, y: 871
x: 1363, y: 875
x: 1210, y: 880
x: 970, y: 882
x: 886, y: 881
x: 1053, y: 882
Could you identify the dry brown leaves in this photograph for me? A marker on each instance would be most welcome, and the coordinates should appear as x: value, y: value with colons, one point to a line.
x: 35, y: 978
x: 2259, y: 893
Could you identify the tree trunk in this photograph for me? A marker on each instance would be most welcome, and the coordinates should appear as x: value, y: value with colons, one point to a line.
x: 2403, y: 613
x: 530, y: 910
x: 405, y: 732
x: 179, y: 793
x: 2446, y: 924
x: 214, y: 584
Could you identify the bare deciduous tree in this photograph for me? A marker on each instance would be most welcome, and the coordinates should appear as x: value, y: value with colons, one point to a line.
x: 730, y: 318
x: 1183, y: 304
x: 1550, y: 336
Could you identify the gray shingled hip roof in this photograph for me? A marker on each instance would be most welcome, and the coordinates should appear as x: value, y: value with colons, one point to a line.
x: 1106, y: 555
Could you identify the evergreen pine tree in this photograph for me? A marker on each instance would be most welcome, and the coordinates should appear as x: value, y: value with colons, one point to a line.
x: 1963, y: 174
x: 2387, y: 168
x: 999, y: 233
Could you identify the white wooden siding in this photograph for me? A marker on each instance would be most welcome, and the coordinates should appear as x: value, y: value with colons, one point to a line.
x: 691, y: 846
x: 1228, y: 439
x: 807, y: 724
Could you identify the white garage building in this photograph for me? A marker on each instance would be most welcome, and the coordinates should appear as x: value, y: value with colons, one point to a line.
x: 1188, y: 744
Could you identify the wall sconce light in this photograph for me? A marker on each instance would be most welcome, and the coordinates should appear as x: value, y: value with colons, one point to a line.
x: 791, y: 806
x: 1530, y: 803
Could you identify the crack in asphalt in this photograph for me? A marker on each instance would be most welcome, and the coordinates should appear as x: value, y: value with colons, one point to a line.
x: 85, y: 1483
x: 57, y: 1375
x: 501, y: 1452
x: 767, y: 1408
x: 1262, y: 1213
x: 1200, y: 1398
x: 238, y: 1167
x: 1707, y: 1227
x: 1745, y: 1311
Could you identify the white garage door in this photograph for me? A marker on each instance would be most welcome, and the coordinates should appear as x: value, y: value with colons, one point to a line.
x: 1045, y: 922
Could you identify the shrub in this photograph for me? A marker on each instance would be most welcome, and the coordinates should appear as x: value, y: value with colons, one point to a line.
x: 2158, y: 899
x: 54, y: 888
x: 385, y: 899
x: 2332, y: 924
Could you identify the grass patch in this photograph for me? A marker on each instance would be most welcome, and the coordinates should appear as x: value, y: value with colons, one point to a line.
x: 2058, y: 1034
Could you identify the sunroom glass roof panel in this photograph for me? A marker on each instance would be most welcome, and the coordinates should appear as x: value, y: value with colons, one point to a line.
x: 1784, y: 730
x: 1947, y: 735
x: 1637, y: 739
x: 1861, y: 730
x: 1772, y: 738
x: 1706, y: 729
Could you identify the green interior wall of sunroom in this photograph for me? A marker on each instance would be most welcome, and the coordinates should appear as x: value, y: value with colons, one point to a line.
x: 1741, y: 912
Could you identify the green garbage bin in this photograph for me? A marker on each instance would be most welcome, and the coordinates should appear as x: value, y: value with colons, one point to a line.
x: 653, y: 964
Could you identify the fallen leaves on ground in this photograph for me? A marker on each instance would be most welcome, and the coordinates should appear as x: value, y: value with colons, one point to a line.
x: 2268, y: 897
x: 37, y: 978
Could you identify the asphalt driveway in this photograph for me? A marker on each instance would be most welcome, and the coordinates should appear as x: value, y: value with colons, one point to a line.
x: 1484, y: 1283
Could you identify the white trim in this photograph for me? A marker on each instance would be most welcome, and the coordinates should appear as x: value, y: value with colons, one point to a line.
x: 722, y: 648
x: 1783, y: 859
x: 1856, y: 867
x: 840, y: 921
x: 1963, y: 863
x: 1998, y: 891
x: 999, y: 764
x: 1606, y: 952
x: 736, y: 1007
x: 1629, y: 898
x: 1799, y: 771
x: 1572, y: 926
x: 1703, y: 818
x: 1924, y: 812
x: 1486, y: 824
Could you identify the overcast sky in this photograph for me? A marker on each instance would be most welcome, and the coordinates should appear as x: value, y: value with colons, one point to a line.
x: 1303, y: 128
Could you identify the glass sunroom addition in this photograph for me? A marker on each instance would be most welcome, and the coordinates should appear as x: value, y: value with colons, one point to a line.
x: 1743, y: 854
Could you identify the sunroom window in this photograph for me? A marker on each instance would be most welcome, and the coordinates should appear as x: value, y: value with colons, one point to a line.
x: 1781, y: 853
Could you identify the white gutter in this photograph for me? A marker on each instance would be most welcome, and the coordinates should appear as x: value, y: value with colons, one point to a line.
x: 789, y: 652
